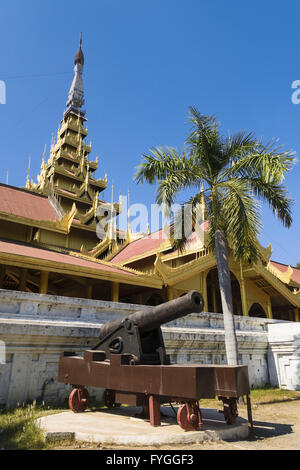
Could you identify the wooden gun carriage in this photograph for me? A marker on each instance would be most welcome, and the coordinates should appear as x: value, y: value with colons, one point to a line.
x: 130, y: 363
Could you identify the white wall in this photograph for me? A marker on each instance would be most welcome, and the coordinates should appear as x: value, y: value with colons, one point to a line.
x: 284, y: 355
x: 36, y: 329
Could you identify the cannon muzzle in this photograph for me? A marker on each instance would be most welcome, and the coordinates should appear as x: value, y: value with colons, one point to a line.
x: 152, y: 318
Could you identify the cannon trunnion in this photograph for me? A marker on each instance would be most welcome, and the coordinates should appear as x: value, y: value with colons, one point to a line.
x: 130, y: 362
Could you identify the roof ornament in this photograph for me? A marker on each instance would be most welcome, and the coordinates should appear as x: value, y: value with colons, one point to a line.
x: 76, y: 93
x: 28, y: 172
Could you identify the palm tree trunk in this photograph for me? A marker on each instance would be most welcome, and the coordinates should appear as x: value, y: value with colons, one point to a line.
x: 226, y: 298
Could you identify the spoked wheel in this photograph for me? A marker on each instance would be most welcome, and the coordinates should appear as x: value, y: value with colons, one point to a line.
x: 110, y: 399
x: 189, y: 416
x: 78, y: 399
x: 230, y: 410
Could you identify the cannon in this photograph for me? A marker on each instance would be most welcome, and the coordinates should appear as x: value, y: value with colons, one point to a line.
x: 130, y: 362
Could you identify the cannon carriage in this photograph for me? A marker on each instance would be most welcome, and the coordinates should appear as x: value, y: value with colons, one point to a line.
x: 130, y: 362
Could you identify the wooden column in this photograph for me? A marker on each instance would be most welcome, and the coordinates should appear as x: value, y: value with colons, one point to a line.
x: 291, y: 315
x: 89, y: 291
x: 296, y: 313
x: 243, y: 292
x: 44, y: 282
x: 2, y: 276
x: 269, y: 309
x: 115, y: 292
x: 204, y: 291
x: 214, y: 297
x: 170, y: 293
x: 23, y: 277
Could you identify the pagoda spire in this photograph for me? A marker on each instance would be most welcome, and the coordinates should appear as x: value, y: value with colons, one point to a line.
x: 76, y: 93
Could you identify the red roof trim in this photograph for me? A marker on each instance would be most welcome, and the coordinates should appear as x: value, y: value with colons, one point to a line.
x: 28, y: 251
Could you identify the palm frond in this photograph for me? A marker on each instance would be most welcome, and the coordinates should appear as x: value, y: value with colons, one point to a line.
x: 157, y: 165
x: 276, y: 196
x: 269, y: 162
x: 240, y: 218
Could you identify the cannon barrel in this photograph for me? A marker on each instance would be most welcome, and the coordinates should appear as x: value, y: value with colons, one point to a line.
x: 154, y: 317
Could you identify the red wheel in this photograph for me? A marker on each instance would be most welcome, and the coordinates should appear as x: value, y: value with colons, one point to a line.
x: 78, y: 399
x: 189, y: 416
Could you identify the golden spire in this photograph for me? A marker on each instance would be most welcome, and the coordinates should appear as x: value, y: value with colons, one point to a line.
x: 28, y: 172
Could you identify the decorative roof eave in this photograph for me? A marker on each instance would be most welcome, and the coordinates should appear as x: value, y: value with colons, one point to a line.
x: 73, y: 196
x: 127, y: 277
x: 97, y: 250
x: 172, y: 276
x: 293, y: 298
x: 170, y: 256
x: 67, y: 220
x: 52, y: 226
x: 165, y: 246
x: 151, y: 280
x: 285, y: 277
x: 117, y: 250
x: 99, y: 183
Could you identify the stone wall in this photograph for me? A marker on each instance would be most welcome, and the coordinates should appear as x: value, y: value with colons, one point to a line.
x: 36, y: 329
x: 284, y: 355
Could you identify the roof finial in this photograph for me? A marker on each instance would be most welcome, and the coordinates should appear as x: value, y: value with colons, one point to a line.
x: 76, y: 93
x: 79, y: 58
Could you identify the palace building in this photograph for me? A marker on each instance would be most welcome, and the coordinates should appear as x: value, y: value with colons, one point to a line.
x: 49, y: 244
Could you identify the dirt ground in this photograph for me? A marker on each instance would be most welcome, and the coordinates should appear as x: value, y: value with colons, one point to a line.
x: 276, y: 427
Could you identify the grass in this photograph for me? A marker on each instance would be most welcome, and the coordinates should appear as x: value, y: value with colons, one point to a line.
x: 19, y: 431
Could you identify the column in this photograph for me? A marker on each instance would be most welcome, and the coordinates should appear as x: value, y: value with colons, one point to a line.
x: 269, y: 309
x: 204, y: 291
x: 2, y: 276
x: 243, y: 292
x: 214, y: 297
x: 244, y: 298
x: 170, y: 293
x: 89, y: 291
x: 44, y: 282
x: 23, y: 276
x: 296, y: 313
x: 115, y: 292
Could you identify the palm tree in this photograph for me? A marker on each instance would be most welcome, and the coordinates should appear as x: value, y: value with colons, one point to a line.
x: 230, y: 174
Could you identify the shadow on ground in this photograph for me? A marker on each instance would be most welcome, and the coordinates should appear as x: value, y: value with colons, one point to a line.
x: 265, y: 430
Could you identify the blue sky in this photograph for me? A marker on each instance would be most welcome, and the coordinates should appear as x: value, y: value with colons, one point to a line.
x: 147, y: 61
